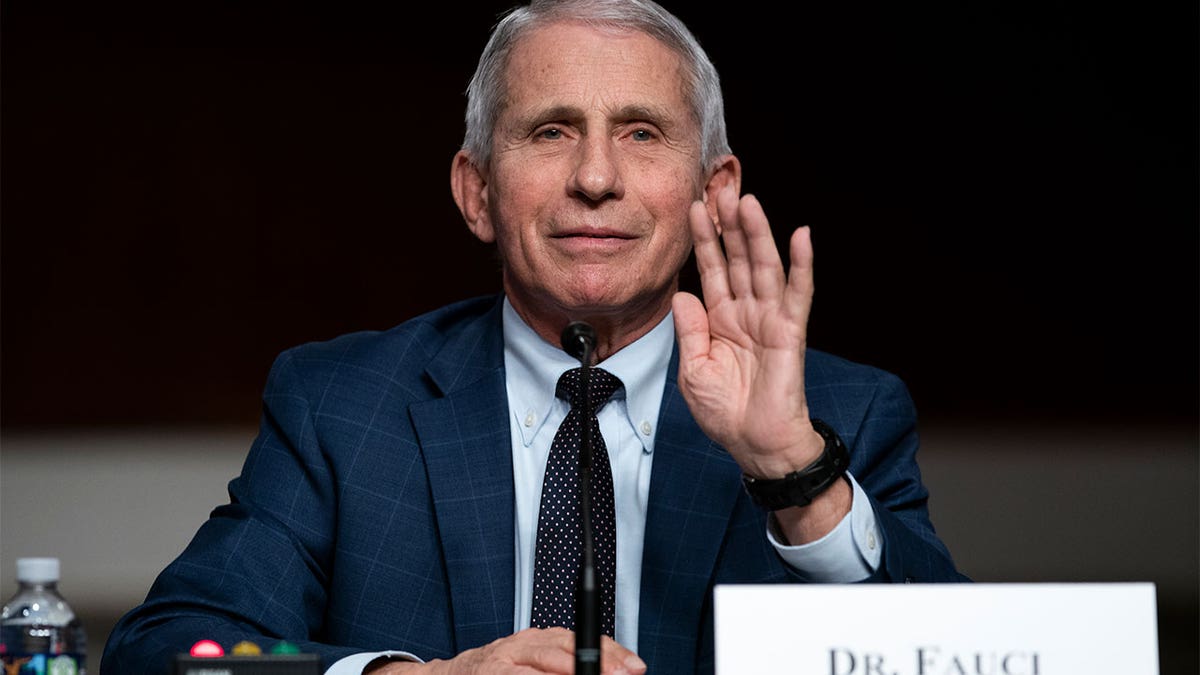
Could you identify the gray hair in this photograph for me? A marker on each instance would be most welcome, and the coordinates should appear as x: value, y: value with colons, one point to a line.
x: 485, y: 93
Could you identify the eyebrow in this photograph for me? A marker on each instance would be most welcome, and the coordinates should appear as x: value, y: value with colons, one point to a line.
x: 659, y: 116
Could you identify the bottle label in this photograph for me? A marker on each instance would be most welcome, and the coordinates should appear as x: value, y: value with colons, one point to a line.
x: 43, y: 664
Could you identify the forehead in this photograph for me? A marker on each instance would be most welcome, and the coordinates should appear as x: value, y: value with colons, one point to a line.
x: 572, y: 64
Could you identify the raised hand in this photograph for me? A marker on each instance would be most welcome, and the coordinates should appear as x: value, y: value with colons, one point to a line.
x: 741, y: 351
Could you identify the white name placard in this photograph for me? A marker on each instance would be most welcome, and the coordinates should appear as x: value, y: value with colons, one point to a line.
x: 937, y: 629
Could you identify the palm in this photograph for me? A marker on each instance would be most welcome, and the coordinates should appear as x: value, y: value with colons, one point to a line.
x: 742, y: 358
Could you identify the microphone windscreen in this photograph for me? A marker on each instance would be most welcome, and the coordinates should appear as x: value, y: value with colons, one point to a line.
x: 578, y: 339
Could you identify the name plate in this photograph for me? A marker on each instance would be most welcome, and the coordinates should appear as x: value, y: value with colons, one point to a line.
x: 937, y: 629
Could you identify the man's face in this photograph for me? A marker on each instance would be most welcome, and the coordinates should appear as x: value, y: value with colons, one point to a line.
x: 596, y: 159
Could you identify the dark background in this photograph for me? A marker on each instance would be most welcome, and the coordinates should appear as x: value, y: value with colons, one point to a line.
x: 1003, y: 197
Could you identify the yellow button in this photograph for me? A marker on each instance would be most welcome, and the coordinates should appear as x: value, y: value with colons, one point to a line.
x: 246, y: 648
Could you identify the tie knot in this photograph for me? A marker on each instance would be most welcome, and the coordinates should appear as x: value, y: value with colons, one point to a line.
x: 602, y: 385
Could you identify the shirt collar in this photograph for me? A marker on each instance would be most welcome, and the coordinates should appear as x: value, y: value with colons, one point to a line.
x: 533, y: 367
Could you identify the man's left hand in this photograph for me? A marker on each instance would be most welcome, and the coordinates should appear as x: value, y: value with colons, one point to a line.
x: 741, y: 352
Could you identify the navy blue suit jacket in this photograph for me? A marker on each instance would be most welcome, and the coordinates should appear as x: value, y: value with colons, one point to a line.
x: 375, y: 508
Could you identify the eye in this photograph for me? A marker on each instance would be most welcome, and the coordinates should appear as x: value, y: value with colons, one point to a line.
x: 550, y: 134
x: 642, y: 135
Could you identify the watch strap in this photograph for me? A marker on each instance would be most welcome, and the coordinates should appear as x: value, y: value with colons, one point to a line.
x: 801, y: 487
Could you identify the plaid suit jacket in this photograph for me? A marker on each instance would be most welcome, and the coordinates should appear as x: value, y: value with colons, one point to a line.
x: 375, y: 508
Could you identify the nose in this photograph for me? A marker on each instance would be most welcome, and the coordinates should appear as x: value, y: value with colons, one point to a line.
x: 597, y: 174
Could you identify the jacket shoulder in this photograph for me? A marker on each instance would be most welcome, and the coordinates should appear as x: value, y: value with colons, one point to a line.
x: 849, y: 395
x: 398, y: 354
x: 825, y: 369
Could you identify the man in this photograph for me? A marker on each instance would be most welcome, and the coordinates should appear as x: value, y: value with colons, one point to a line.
x: 392, y: 500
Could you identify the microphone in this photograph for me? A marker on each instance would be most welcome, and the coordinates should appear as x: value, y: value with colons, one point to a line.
x: 579, y: 340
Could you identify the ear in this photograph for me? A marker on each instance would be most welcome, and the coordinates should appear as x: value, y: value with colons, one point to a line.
x: 725, y: 170
x: 470, y: 188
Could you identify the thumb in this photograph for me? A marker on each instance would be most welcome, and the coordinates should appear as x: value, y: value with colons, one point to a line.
x: 691, y: 327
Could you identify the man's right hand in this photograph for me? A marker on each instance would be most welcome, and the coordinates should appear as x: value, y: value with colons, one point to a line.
x: 531, y: 651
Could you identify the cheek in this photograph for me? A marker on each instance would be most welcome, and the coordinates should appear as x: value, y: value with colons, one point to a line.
x: 519, y: 194
x: 673, y: 241
x: 674, y: 188
x: 679, y: 245
x: 510, y: 208
x: 670, y: 200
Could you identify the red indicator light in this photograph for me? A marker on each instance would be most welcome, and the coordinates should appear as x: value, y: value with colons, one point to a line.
x: 207, y: 649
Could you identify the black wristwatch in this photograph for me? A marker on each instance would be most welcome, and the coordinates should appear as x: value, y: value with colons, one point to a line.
x: 800, y: 488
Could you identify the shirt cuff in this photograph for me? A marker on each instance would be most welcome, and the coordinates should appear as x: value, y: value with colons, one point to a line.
x: 850, y: 552
x: 355, y: 663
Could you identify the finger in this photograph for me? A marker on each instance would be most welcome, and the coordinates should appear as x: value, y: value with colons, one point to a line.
x: 556, y: 651
x: 550, y: 650
x: 800, y: 276
x: 614, y: 657
x: 691, y: 328
x: 765, y: 264
x: 710, y: 261
x: 737, y: 253
x: 529, y: 670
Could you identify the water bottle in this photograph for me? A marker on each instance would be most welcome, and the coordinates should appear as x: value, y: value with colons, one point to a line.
x: 39, y: 633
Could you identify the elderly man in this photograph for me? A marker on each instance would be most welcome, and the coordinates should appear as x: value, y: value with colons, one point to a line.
x: 405, y: 501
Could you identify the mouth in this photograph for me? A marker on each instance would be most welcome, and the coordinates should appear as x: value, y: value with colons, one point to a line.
x: 592, y: 242
x: 590, y: 233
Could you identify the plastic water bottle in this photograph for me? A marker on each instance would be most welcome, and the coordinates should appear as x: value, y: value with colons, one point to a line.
x: 39, y: 632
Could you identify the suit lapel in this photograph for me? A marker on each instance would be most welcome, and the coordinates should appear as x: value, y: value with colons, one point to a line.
x: 466, y: 444
x: 693, y: 487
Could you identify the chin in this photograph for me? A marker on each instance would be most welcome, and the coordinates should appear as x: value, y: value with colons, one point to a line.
x: 607, y: 301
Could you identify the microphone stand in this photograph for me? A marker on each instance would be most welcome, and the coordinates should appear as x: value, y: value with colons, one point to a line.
x: 579, y: 340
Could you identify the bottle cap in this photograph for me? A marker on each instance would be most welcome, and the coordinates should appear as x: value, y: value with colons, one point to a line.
x: 37, y: 570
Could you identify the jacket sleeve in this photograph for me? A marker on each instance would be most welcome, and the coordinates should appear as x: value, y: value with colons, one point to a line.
x: 883, y: 458
x: 257, y: 569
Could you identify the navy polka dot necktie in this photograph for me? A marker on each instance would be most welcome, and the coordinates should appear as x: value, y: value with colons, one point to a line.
x: 559, y: 553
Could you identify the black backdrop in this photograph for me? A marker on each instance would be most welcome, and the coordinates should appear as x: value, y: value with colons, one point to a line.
x: 1003, y: 197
